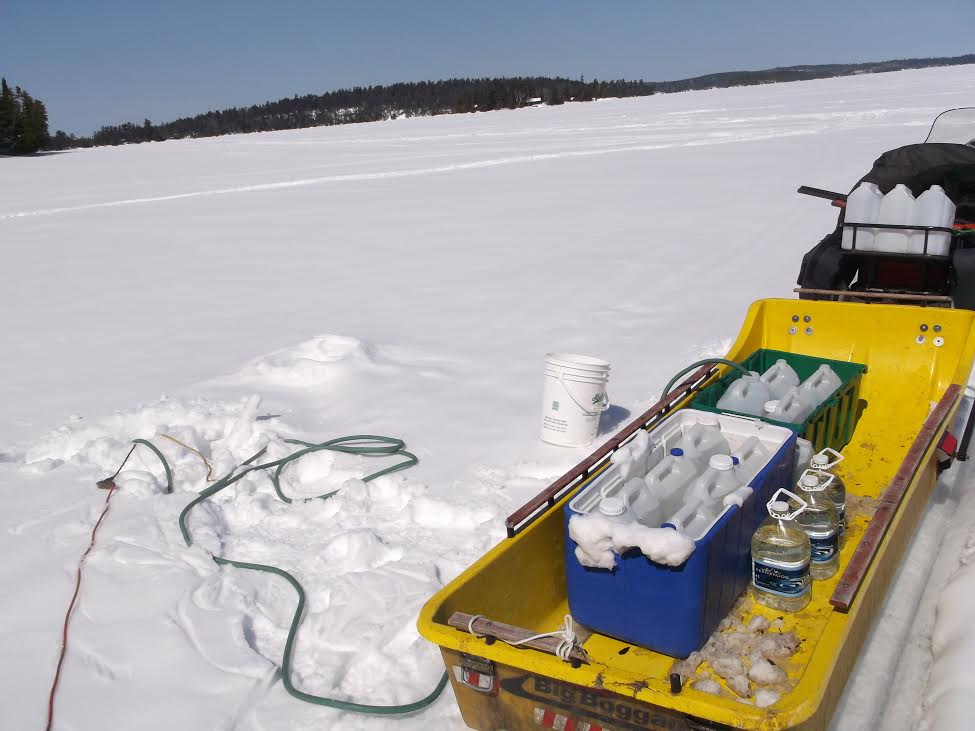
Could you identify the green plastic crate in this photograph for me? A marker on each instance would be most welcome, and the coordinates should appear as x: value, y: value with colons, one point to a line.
x: 832, y: 422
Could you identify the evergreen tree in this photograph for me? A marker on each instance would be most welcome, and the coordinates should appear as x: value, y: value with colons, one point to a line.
x: 31, y: 124
x: 40, y: 122
x: 62, y: 141
x: 8, y: 113
x: 23, y: 121
x: 19, y: 117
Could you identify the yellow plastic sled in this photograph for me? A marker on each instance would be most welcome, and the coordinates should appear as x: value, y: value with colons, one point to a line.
x: 918, y: 362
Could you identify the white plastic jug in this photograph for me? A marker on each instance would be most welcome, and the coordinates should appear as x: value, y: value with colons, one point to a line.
x: 791, y: 409
x: 695, y: 515
x: 804, y: 453
x: 820, y: 385
x: 934, y: 208
x: 614, y: 508
x: 752, y: 456
x: 703, y: 439
x: 897, y: 207
x: 685, y: 513
x: 862, y: 206
x: 780, y: 378
x: 631, y: 458
x: 705, y: 514
x: 669, y: 478
x: 642, y: 502
x: 718, y: 480
x: 745, y: 395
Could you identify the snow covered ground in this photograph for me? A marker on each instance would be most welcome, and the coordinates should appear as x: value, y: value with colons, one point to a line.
x: 401, y: 278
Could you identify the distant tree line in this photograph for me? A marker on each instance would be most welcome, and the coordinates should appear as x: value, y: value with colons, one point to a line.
x: 365, y: 104
x: 23, y: 121
x: 450, y: 96
x: 804, y: 73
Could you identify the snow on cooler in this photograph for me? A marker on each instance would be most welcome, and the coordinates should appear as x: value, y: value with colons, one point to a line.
x: 600, y: 540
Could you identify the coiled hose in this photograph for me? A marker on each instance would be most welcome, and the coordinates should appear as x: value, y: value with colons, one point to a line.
x: 368, y: 445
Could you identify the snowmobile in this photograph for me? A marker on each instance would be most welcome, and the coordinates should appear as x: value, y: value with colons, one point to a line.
x: 494, y: 623
x: 945, y: 158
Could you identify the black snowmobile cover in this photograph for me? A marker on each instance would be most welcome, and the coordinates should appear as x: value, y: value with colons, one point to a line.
x: 952, y: 166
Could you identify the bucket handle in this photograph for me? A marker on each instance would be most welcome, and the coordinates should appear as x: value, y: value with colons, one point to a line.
x: 603, y: 401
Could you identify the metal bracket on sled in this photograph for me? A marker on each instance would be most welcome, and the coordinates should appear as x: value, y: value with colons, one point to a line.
x: 947, y: 451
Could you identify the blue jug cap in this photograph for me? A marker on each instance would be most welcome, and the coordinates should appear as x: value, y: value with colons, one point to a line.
x: 677, y: 452
x: 735, y: 460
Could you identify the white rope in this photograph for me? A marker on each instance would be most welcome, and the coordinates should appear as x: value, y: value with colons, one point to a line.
x: 564, y: 649
x: 470, y: 624
x: 566, y: 632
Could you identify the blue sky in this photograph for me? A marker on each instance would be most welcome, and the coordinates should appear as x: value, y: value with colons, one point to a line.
x: 97, y: 62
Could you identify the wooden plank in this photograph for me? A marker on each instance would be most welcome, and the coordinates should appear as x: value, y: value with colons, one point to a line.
x: 849, y: 584
x: 870, y: 599
x: 511, y: 634
x: 535, y: 507
x: 876, y: 295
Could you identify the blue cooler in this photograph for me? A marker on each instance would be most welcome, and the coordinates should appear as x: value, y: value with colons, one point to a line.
x: 673, y: 610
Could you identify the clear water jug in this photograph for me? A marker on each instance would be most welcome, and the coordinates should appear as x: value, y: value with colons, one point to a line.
x: 752, y: 455
x: 897, y: 207
x: 781, y: 555
x: 804, y: 453
x: 642, y: 502
x: 631, y: 458
x: 704, y: 439
x: 719, y: 479
x: 934, y: 208
x: 779, y: 378
x: 823, y: 466
x: 791, y: 409
x: 695, y: 516
x: 820, y: 385
x: 862, y: 206
x: 668, y: 479
x: 821, y: 523
x: 704, y: 516
x: 746, y: 395
x: 685, y: 513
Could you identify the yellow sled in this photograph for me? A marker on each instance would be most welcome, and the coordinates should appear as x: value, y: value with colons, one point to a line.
x: 918, y: 362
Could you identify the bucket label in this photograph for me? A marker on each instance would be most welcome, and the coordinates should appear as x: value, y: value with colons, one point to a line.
x: 776, y: 579
x: 823, y: 549
x: 559, y: 426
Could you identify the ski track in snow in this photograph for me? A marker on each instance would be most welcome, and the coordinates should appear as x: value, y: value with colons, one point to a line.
x: 392, y: 174
x: 450, y: 361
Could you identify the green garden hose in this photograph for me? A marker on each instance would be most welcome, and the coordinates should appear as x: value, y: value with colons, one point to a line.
x: 698, y: 364
x: 165, y: 464
x: 360, y: 444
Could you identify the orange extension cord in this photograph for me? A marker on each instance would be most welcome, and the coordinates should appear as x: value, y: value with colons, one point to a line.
x: 110, y: 485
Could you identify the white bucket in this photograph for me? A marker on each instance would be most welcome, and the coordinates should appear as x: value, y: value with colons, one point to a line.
x: 573, y: 398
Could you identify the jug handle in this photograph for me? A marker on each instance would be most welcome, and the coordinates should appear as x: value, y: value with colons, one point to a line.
x: 837, y: 457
